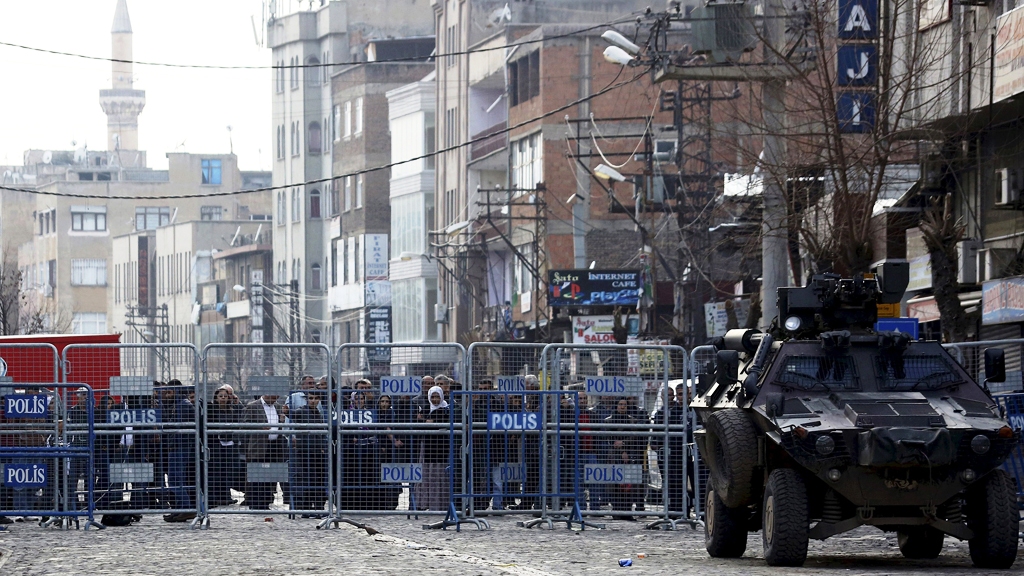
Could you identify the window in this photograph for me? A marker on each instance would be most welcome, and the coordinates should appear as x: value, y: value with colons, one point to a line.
x: 357, y: 118
x: 348, y: 120
x: 413, y: 309
x: 523, y: 280
x: 211, y: 213
x: 316, y: 277
x: 358, y: 269
x: 805, y: 372
x: 314, y: 204
x: 88, y: 218
x: 325, y: 70
x: 359, y: 191
x: 88, y: 272
x: 296, y: 146
x: 312, y: 71
x: 407, y: 221
x: 152, y: 217
x: 296, y: 205
x: 429, y: 135
x: 335, y: 201
x: 279, y: 79
x: 348, y: 193
x: 89, y: 323
x: 524, y: 78
x: 294, y: 71
x: 527, y: 163
x: 334, y: 263
x: 313, y: 133
x: 281, y: 208
x: 279, y: 148
x: 345, y: 259
x: 211, y: 171
x: 914, y: 372
x: 336, y: 123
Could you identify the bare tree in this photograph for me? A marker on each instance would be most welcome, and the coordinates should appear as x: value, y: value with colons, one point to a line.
x: 10, y: 293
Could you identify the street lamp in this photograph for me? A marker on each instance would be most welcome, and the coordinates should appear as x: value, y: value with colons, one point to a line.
x: 608, y: 173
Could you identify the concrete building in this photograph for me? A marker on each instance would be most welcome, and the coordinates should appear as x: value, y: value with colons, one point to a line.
x: 306, y: 127
x: 360, y: 230
x: 413, y: 274
x: 501, y: 219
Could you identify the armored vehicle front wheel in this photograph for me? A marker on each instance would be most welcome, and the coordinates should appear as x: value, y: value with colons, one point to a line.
x: 920, y: 542
x: 786, y: 520
x: 732, y: 455
x: 993, y: 517
x: 725, y: 529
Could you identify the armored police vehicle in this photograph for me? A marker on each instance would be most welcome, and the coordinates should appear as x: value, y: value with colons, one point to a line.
x: 823, y: 424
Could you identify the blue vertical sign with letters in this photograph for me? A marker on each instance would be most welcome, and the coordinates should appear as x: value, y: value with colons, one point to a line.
x: 857, y: 65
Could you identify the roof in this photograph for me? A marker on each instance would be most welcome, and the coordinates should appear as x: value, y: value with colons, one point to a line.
x: 121, y: 21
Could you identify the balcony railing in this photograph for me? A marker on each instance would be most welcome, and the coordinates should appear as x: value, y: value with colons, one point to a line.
x: 484, y: 147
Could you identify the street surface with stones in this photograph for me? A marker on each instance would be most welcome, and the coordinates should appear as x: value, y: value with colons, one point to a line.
x: 252, y: 545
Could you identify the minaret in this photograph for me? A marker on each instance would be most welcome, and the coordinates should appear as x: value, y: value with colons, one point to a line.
x: 121, y: 103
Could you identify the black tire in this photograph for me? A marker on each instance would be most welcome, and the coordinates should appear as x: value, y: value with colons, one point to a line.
x: 732, y: 456
x: 786, y: 521
x: 920, y: 542
x: 993, y: 517
x: 725, y: 529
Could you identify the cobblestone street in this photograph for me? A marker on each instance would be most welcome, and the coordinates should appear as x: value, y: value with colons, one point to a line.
x: 250, y: 545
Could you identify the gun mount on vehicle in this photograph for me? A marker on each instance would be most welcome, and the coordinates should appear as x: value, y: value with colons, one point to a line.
x: 823, y: 424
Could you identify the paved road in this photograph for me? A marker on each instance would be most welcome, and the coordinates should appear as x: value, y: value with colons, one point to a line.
x: 249, y: 545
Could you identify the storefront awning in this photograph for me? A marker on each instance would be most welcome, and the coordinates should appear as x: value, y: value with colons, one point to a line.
x: 926, y: 309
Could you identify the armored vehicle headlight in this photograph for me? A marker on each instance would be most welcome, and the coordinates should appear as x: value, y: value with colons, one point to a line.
x: 1006, y: 432
x: 968, y: 475
x: 980, y: 444
x: 793, y: 323
x: 834, y: 475
x: 824, y: 445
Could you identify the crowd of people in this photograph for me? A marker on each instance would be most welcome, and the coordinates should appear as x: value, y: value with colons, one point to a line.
x: 319, y: 435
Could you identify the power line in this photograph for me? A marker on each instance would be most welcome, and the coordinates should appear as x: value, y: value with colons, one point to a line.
x: 314, y: 66
x: 500, y: 132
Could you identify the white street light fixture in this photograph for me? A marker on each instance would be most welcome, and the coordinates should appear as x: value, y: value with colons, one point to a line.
x: 617, y: 55
x: 238, y: 288
x: 608, y: 173
x: 621, y: 41
x: 457, y: 227
x: 576, y: 197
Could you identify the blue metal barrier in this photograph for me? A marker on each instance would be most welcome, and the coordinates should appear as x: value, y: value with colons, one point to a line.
x: 1012, y: 406
x: 40, y: 454
x: 521, y: 453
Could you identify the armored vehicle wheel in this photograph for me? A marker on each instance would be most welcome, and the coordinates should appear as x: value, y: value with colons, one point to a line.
x: 993, y: 517
x: 920, y: 542
x: 725, y: 529
x: 732, y: 456
x: 786, y: 522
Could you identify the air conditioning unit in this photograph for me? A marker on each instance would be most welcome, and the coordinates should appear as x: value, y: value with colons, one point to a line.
x: 992, y: 262
x: 1007, y: 187
x: 967, y: 259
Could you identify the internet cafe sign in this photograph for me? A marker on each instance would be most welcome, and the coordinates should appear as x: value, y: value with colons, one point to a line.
x: 1009, y: 67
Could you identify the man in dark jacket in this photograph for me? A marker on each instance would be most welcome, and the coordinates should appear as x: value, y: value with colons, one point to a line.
x: 263, y: 447
x: 311, y: 453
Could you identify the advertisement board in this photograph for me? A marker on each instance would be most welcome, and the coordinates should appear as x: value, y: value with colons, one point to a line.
x: 593, y: 288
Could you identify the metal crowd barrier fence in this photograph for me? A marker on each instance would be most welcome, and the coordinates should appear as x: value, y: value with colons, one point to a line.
x: 629, y: 427
x: 392, y: 447
x: 38, y: 461
x: 1012, y: 406
x: 147, y: 457
x: 702, y: 361
x: 971, y: 355
x: 267, y: 430
x: 519, y: 439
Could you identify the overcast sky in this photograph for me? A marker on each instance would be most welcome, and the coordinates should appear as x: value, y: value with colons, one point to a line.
x: 48, y: 101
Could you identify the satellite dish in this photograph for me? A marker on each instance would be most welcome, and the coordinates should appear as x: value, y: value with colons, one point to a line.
x: 3, y: 368
x: 47, y: 157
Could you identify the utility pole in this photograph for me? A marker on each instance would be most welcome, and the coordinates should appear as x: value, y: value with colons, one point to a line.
x: 774, y: 237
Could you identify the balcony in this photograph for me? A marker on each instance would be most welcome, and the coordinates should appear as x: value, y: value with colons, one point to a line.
x: 489, y: 145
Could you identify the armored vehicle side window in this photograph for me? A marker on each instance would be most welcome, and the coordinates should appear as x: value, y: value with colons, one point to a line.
x: 829, y: 372
x: 906, y: 373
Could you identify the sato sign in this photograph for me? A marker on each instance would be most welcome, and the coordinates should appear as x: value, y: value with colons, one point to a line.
x: 597, y: 329
x: 593, y: 288
x: 513, y: 421
x: 613, y: 474
x: 24, y: 475
x: 398, y: 473
x: 401, y: 385
x: 614, y: 386
x: 26, y: 406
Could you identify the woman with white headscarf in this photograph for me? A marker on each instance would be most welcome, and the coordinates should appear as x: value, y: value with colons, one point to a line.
x: 432, y: 492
